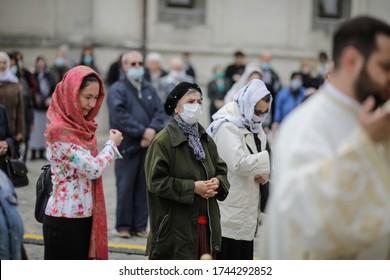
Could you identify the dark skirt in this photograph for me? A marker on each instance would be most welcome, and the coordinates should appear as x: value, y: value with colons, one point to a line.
x: 235, y: 250
x: 65, y: 238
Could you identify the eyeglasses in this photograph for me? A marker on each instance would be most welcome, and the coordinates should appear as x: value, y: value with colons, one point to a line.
x: 260, y: 113
x: 140, y: 63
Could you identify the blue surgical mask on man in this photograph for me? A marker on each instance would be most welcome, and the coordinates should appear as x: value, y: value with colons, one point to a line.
x: 265, y: 66
x: 59, y: 61
x: 135, y: 73
x: 13, y: 69
x: 296, y: 84
x: 87, y: 59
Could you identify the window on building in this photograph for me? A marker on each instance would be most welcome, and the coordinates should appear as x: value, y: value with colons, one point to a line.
x: 182, y: 13
x: 180, y: 3
x: 328, y: 14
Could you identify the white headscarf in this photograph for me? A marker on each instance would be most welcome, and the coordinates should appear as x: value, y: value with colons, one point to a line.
x: 249, y: 70
x: 241, y: 111
x: 7, y: 75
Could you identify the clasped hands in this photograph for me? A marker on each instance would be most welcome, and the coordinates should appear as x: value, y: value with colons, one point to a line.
x: 207, y: 189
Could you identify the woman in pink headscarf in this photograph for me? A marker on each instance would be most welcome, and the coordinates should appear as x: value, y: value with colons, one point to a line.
x: 75, y: 225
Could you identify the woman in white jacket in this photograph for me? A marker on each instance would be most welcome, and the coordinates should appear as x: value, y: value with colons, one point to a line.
x: 242, y: 144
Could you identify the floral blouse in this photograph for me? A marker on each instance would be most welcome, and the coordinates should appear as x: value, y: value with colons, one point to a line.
x: 73, y: 169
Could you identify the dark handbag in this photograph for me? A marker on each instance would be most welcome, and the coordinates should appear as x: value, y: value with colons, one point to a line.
x: 44, y: 188
x: 17, y: 172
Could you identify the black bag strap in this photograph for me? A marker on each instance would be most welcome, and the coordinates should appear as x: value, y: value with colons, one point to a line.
x: 258, y: 145
x: 257, y: 142
x: 264, y: 189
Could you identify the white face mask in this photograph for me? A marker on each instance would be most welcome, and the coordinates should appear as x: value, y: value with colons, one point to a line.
x: 191, y: 113
x: 177, y: 75
x: 256, y: 124
x: 259, y: 119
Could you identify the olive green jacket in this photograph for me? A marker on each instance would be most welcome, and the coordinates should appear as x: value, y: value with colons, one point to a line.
x: 171, y: 171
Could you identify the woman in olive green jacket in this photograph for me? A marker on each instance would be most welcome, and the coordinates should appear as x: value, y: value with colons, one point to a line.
x: 185, y: 177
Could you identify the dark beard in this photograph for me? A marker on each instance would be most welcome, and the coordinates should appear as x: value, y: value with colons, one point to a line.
x: 365, y: 87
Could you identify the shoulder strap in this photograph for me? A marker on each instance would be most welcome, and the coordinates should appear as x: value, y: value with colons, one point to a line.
x: 257, y: 142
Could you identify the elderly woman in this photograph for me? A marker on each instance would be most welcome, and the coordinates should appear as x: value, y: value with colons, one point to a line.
x: 242, y: 144
x: 12, y: 99
x: 185, y: 177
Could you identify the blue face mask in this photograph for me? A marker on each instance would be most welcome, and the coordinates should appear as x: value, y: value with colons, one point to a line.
x: 13, y: 69
x: 265, y: 66
x: 135, y: 73
x: 87, y: 59
x: 296, y: 83
x: 59, y: 61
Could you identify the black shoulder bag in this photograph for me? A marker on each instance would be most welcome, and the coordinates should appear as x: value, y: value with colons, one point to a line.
x: 44, y: 189
x: 17, y: 172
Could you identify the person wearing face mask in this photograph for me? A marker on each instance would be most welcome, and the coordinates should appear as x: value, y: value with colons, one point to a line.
x: 88, y: 58
x: 60, y: 66
x: 242, y: 144
x: 12, y: 98
x: 217, y: 89
x: 154, y: 71
x: 136, y: 110
x: 271, y: 79
x: 176, y: 74
x: 185, y: 178
x: 29, y: 89
x: 288, y: 99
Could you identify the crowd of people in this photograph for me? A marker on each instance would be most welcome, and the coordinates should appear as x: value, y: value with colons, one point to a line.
x: 37, y: 84
x: 204, y: 190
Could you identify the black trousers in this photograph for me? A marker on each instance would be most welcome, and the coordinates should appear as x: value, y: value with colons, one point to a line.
x: 65, y: 238
x: 232, y: 249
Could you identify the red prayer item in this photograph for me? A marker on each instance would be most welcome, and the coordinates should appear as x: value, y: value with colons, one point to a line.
x: 66, y: 123
x: 203, y: 220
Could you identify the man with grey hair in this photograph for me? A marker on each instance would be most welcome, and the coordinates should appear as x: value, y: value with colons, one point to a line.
x: 136, y: 110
